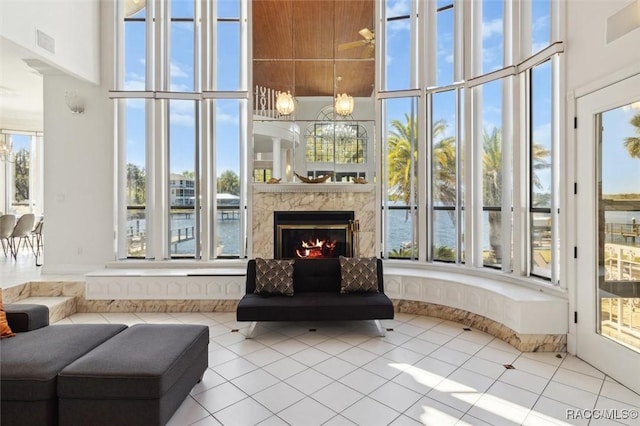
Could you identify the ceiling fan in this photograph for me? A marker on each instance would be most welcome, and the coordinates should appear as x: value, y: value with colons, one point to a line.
x: 368, y: 41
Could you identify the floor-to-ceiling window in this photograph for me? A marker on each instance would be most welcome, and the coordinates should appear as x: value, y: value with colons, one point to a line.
x: 479, y: 183
x: 21, y: 172
x: 181, y: 96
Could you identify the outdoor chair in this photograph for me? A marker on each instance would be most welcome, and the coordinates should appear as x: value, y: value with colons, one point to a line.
x: 21, y: 232
x: 7, y: 223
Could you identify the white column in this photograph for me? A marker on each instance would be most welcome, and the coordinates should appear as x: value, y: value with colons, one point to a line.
x: 276, y: 168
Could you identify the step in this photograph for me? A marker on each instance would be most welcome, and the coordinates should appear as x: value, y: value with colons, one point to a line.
x: 59, y: 307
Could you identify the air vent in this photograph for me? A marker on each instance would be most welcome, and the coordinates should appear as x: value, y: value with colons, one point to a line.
x: 623, y: 22
x: 45, y: 41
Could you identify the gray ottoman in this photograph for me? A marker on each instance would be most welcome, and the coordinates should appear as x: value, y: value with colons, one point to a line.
x: 138, y: 377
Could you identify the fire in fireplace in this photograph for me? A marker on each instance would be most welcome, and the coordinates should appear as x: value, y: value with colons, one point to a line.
x: 313, y: 234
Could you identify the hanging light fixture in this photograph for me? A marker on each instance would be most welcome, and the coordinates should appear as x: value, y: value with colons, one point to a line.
x: 284, y: 103
x: 131, y: 7
x: 344, y: 104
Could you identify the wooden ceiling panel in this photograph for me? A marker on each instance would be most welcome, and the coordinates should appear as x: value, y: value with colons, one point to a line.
x: 355, y: 78
x: 277, y: 75
x: 272, y: 29
x: 314, y: 78
x: 307, y: 33
x: 313, y: 29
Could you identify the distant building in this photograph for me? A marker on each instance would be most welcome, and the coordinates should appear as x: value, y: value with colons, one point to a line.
x: 183, y: 192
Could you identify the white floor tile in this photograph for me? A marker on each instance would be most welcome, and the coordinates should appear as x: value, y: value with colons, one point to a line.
x: 524, y: 380
x: 234, y: 368
x: 289, y: 347
x: 450, y: 356
x: 278, y: 397
x: 404, y: 355
x: 219, y: 397
x: 273, y: 421
x: 284, y: 368
x: 370, y: 412
x: 311, y: 356
x: 484, y: 367
x: 255, y: 381
x: 337, y: 396
x: 362, y: 381
x: 578, y: 380
x: 496, y: 355
x: 395, y: 396
x: 576, y: 364
x: 614, y: 390
x: 551, y: 411
x: 384, y: 367
x: 264, y: 357
x: 428, y: 411
x: 536, y: 367
x: 308, y: 412
x: 357, y: 356
x: 309, y: 381
x: 244, y: 413
x: 339, y: 420
x: 570, y: 395
x: 335, y: 368
x: 188, y: 413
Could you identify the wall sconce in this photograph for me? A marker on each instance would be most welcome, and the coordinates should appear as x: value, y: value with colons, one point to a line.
x: 75, y: 102
x: 344, y: 104
x: 285, y: 104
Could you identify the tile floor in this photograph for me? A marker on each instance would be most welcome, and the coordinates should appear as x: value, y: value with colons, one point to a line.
x: 425, y: 371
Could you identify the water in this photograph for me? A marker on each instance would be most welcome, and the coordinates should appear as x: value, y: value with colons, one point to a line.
x: 228, y: 231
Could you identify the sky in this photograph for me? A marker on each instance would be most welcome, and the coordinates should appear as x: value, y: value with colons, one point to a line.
x: 182, y: 130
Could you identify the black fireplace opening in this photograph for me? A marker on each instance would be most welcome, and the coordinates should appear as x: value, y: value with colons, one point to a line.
x: 313, y: 234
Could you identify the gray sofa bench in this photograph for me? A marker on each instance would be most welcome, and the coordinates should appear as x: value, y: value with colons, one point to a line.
x: 165, y: 362
x: 316, y: 297
x: 141, y: 376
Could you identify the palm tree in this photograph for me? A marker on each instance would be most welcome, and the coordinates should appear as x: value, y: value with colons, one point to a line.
x: 492, y: 187
x: 632, y: 144
x: 492, y: 184
x: 402, y: 155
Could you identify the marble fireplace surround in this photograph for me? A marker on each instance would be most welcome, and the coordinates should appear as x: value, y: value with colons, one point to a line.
x: 311, y: 197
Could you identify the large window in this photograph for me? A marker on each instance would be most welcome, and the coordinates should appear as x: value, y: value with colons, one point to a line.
x: 181, y: 108
x: 478, y: 181
x: 21, y: 172
x: 401, y: 192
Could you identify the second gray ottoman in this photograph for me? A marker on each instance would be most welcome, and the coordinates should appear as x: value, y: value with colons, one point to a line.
x: 138, y: 377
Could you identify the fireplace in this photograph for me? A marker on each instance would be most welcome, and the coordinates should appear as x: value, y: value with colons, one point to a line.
x: 314, y: 234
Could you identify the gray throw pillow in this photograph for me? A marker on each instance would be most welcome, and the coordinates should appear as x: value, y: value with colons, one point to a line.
x: 274, y: 276
x: 359, y: 275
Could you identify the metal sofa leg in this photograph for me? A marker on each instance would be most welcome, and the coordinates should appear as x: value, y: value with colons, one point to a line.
x: 381, y: 329
x: 252, y: 327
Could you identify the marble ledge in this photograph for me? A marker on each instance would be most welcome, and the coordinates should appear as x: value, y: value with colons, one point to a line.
x: 313, y: 187
x: 522, y: 342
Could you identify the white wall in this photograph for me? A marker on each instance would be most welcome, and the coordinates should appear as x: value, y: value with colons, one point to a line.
x: 73, y: 24
x: 588, y: 56
x: 591, y: 64
x: 79, y: 182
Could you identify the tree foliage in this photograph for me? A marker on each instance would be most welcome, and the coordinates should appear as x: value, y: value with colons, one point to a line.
x: 229, y: 183
x: 136, y: 183
x: 21, y: 167
x: 632, y: 143
x: 402, y: 156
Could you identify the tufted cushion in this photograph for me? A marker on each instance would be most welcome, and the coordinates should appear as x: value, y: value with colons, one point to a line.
x: 358, y: 275
x: 274, y: 276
